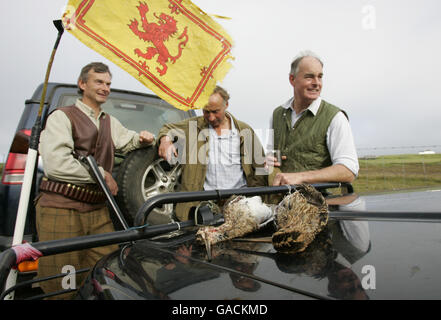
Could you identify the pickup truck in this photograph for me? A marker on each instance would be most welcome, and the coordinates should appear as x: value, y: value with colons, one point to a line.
x: 141, y: 168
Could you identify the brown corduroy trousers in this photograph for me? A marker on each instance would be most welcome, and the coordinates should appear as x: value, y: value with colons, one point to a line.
x: 54, y: 224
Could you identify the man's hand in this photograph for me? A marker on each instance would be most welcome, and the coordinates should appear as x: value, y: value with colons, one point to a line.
x: 146, y: 137
x: 288, y: 178
x: 271, y: 161
x: 333, y: 173
x: 166, y: 149
x: 111, y: 183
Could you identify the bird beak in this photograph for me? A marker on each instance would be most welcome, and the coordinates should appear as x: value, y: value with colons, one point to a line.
x: 208, y: 247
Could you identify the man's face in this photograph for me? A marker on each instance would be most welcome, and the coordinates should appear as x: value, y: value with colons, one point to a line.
x: 308, y: 81
x: 214, y: 111
x: 96, y: 89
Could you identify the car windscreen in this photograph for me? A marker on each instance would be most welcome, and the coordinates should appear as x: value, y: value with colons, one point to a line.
x: 136, y: 113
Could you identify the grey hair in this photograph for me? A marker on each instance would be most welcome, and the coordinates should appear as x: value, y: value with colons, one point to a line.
x: 223, y: 93
x: 302, y: 54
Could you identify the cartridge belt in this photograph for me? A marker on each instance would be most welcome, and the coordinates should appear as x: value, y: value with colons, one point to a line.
x: 88, y: 194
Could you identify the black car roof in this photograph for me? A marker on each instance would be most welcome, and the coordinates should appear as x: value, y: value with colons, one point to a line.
x: 351, y: 259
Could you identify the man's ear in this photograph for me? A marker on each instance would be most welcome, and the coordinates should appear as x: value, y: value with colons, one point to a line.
x: 81, y: 84
x: 291, y: 79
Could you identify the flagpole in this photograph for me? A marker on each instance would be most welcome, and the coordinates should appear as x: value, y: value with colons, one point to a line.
x: 30, y: 165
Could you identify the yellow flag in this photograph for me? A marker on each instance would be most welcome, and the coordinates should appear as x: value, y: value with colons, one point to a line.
x: 171, y: 46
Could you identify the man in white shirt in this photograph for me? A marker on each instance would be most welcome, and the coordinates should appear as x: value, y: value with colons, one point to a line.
x: 220, y: 151
x: 314, y: 137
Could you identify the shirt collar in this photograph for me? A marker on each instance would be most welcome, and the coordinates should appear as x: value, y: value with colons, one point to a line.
x: 86, y: 109
x: 313, y: 107
x: 233, y: 130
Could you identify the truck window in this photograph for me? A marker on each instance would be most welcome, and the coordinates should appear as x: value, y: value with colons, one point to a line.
x: 136, y: 114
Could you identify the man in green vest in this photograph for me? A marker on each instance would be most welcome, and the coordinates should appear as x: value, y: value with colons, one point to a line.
x: 313, y: 136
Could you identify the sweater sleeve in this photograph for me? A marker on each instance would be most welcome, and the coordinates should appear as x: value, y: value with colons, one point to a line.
x: 56, y: 150
x: 125, y: 140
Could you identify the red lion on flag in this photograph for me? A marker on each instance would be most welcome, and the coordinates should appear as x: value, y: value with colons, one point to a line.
x: 157, y: 34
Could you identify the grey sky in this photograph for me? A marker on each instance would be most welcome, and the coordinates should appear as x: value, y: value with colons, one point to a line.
x: 381, y: 61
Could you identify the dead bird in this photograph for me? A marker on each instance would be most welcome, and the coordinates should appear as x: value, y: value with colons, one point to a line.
x: 300, y: 216
x: 242, y: 215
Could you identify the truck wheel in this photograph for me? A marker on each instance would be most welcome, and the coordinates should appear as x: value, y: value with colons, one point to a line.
x: 141, y: 176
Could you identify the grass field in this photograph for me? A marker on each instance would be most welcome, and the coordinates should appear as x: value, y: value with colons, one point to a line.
x: 397, y: 172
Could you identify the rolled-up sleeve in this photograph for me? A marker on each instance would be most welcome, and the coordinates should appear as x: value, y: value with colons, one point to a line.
x: 125, y: 140
x: 341, y: 144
